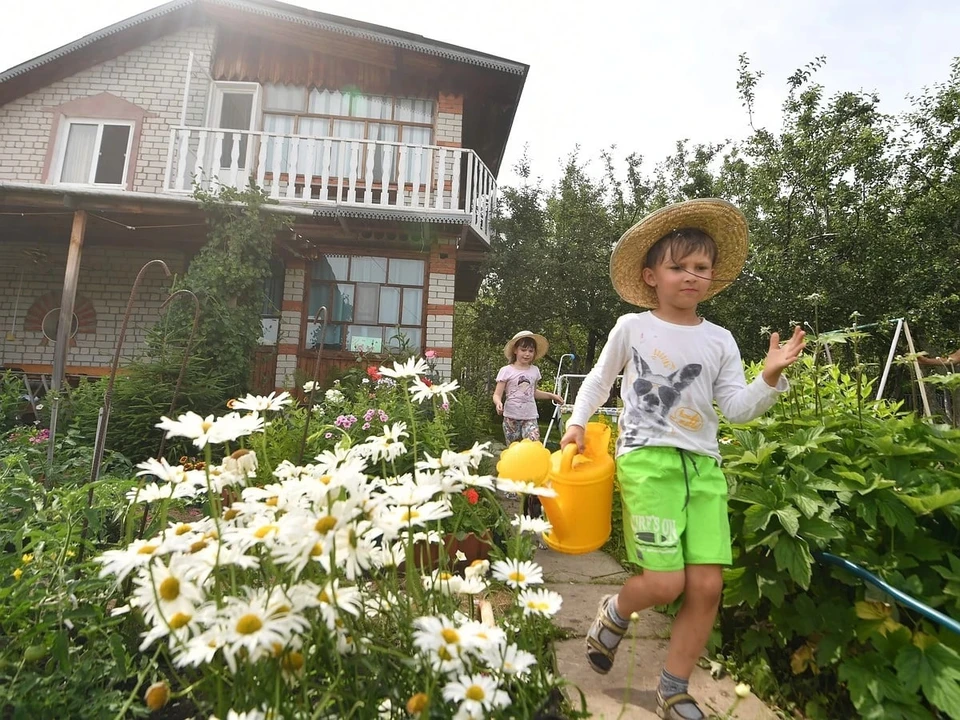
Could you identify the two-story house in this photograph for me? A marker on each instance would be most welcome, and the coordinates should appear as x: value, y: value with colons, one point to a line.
x: 383, y: 145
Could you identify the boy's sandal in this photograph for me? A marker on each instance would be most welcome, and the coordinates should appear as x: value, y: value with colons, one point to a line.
x: 600, y: 656
x: 665, y: 705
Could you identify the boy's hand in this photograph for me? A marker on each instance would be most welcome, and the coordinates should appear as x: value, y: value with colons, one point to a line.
x: 574, y: 434
x: 780, y: 357
x: 499, y: 406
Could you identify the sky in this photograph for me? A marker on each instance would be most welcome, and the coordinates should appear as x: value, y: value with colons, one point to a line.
x: 635, y: 74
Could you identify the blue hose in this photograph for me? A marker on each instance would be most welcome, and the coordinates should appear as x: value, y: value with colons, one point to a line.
x: 901, y: 597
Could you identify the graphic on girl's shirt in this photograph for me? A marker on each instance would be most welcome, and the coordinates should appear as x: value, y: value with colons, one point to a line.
x: 522, y: 391
x: 655, y: 400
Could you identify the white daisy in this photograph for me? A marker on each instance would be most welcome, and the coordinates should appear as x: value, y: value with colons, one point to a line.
x: 310, y: 386
x: 476, y: 694
x: 540, y: 602
x: 261, y: 403
x: 478, y: 568
x: 518, y: 573
x: 413, y: 367
x: 524, y: 488
x: 421, y: 391
x: 121, y: 563
x: 528, y: 524
x: 257, y: 625
x: 510, y: 659
x: 162, y: 470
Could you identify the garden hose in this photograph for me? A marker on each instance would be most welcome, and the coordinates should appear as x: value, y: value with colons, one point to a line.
x: 901, y: 597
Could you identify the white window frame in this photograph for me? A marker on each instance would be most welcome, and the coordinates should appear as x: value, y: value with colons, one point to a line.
x: 64, y: 135
x: 215, y: 103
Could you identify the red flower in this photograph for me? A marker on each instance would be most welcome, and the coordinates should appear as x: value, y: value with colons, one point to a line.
x: 472, y: 496
x: 373, y: 373
x: 426, y: 381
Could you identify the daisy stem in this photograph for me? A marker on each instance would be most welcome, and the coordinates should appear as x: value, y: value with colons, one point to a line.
x: 141, y: 676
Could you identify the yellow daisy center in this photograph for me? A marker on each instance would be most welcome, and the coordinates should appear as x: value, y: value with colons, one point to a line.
x: 292, y: 661
x: 261, y: 532
x: 182, y: 529
x: 206, y: 425
x: 450, y: 635
x: 323, y: 597
x: 517, y: 576
x: 147, y: 550
x: 249, y: 624
x: 230, y: 514
x: 271, y: 501
x: 317, y: 550
x: 475, y: 692
x: 170, y: 589
x: 325, y: 524
x: 417, y: 703
x: 198, y: 546
x: 179, y: 620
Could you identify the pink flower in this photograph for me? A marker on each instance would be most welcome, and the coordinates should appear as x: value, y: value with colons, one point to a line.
x: 445, y: 406
x: 368, y: 415
x: 430, y: 354
x: 328, y: 435
x: 382, y: 415
x: 366, y: 426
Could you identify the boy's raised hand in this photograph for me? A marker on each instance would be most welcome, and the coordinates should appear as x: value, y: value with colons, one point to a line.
x: 782, y: 356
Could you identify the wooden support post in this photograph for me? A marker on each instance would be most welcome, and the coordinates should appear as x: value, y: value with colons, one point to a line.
x: 65, y: 322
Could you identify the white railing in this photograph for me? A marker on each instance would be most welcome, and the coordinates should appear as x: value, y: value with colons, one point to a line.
x: 335, y: 171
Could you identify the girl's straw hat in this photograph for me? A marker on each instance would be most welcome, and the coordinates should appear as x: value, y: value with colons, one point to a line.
x: 540, y: 340
x: 717, y: 218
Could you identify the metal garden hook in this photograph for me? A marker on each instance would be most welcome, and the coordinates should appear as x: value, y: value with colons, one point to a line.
x: 104, y: 418
x: 322, y: 311
x: 186, y: 354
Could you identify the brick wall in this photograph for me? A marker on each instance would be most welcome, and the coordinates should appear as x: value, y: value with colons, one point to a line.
x: 450, y: 120
x: 442, y: 270
x: 106, y: 276
x: 151, y: 77
x: 290, y: 314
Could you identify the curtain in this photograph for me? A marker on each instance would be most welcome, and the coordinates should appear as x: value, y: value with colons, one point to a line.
x: 78, y: 155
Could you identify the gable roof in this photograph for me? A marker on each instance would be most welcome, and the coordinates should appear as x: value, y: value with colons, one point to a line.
x: 506, y: 77
x: 289, y: 13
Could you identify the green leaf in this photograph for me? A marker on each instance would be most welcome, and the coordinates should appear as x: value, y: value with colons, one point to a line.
x: 119, y: 653
x: 789, y: 519
x: 756, y: 518
x: 794, y: 556
x: 819, y: 530
x: 926, y: 504
x: 934, y: 668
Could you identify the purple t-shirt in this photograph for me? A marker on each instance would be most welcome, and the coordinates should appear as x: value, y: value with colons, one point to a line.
x: 518, y: 400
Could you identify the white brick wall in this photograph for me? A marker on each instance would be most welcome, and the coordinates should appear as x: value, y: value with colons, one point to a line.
x: 106, y: 276
x: 151, y: 77
x: 449, y: 127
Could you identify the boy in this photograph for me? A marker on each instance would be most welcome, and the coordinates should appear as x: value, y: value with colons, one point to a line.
x: 675, y: 365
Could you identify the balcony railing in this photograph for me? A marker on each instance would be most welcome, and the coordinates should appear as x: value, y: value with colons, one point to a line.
x: 445, y: 182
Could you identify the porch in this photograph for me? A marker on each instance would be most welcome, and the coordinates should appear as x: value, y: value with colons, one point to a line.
x: 373, y: 178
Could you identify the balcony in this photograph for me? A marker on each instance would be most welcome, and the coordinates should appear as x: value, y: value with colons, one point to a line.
x: 367, y: 178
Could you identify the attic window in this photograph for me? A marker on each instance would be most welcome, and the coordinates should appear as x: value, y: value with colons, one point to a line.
x: 95, y: 152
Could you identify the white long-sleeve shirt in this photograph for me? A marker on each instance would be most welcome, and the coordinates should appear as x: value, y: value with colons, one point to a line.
x: 671, y: 376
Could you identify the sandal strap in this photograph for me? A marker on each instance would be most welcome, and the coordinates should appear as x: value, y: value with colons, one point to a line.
x: 609, y: 624
x: 597, y: 646
x: 669, y: 702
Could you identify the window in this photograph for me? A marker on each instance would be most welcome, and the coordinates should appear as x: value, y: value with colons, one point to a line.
x: 291, y: 110
x: 95, y: 152
x: 374, y: 304
x: 272, y: 304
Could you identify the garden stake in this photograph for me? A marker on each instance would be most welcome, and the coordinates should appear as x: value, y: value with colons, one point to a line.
x: 108, y: 397
x: 183, y: 371
x: 316, y: 375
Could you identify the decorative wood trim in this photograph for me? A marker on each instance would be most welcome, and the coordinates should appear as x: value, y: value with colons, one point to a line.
x: 104, y: 107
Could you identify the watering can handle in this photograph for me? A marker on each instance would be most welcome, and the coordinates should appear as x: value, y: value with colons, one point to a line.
x: 566, y: 457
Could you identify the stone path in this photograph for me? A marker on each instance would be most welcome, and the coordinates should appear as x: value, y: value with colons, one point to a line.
x: 627, y: 692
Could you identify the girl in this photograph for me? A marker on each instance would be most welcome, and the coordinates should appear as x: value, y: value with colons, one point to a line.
x: 518, y: 383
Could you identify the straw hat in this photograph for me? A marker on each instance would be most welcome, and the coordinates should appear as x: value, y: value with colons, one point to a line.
x: 717, y: 218
x: 540, y: 340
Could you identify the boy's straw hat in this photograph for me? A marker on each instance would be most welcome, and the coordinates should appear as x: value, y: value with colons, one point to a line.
x: 540, y: 340
x: 717, y: 218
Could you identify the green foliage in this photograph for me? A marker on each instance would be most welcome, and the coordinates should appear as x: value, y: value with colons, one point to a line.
x: 227, y: 276
x: 141, y: 395
x: 12, y: 403
x: 831, y: 470
x: 61, y: 652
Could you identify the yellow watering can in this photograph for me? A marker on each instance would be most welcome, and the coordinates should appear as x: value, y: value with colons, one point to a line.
x: 580, y: 513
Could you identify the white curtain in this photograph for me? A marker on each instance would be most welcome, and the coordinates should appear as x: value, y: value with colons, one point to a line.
x: 78, y: 155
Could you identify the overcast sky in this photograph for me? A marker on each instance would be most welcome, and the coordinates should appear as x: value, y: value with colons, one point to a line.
x: 636, y: 74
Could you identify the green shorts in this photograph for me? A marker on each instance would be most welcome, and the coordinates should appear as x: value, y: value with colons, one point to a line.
x: 674, y: 509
